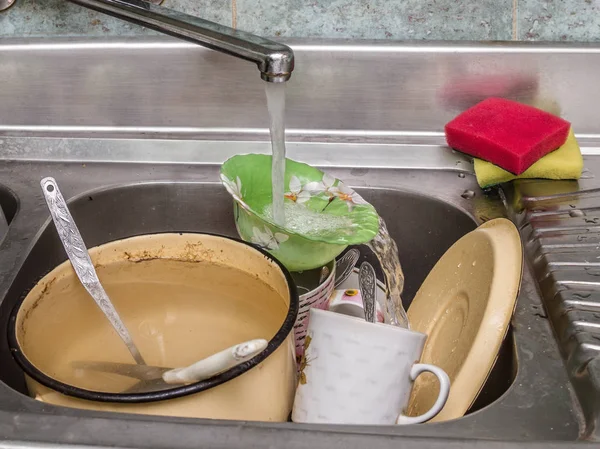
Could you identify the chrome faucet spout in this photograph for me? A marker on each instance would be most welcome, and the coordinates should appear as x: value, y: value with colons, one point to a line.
x: 275, y: 61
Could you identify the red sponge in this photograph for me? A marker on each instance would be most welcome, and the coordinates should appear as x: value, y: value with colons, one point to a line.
x: 508, y: 134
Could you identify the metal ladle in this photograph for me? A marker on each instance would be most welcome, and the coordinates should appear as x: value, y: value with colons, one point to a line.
x: 154, y: 378
x: 82, y: 264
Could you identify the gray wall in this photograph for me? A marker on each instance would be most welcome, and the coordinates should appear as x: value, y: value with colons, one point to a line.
x: 552, y: 20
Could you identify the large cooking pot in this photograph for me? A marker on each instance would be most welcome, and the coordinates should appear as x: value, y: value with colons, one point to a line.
x: 183, y: 297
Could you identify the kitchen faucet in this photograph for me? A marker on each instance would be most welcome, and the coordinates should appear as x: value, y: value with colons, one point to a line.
x: 275, y: 61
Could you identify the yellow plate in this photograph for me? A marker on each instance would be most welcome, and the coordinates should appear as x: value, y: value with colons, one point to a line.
x: 465, y: 306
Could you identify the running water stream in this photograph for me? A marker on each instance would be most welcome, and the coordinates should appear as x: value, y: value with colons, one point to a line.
x: 276, y: 104
x: 386, y: 251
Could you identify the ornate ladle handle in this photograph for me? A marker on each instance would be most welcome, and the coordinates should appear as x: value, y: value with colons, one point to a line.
x: 81, y: 262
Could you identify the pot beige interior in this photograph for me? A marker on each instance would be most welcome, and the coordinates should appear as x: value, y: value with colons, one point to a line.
x: 183, y: 297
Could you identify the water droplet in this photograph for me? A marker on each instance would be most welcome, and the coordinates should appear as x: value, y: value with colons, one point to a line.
x: 576, y: 213
x: 458, y: 266
x: 461, y: 175
x: 468, y: 194
x: 474, y: 263
x: 581, y: 295
x: 593, y: 271
x: 586, y: 174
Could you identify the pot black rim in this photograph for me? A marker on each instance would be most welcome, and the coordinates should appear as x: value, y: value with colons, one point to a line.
x: 286, y: 328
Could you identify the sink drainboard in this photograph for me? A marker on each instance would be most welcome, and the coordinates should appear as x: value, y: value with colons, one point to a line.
x: 560, y: 223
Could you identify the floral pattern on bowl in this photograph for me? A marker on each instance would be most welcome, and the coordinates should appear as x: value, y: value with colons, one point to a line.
x: 323, y: 215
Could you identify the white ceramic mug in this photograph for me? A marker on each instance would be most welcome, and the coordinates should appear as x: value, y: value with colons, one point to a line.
x: 354, y: 372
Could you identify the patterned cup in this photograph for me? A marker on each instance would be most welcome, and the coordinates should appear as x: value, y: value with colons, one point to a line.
x: 318, y: 298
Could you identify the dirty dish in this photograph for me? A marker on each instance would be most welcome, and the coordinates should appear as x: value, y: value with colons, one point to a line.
x: 465, y: 306
x: 317, y: 296
x: 169, y: 289
x: 323, y: 215
x: 353, y: 305
x: 350, y: 302
x: 355, y: 372
x: 82, y: 264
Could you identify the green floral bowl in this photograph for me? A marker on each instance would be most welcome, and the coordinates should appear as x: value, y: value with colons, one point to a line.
x: 323, y: 216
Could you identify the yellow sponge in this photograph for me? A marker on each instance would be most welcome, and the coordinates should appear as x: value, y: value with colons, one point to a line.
x: 564, y: 163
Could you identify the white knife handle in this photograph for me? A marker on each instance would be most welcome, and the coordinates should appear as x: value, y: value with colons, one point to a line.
x: 216, y: 363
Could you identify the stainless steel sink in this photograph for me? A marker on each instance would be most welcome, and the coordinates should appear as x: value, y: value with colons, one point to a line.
x: 137, y: 151
x: 143, y: 198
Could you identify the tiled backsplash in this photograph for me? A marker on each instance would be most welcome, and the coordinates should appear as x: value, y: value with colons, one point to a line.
x: 551, y: 20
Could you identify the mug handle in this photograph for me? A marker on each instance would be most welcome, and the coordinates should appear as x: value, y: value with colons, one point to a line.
x: 443, y: 379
